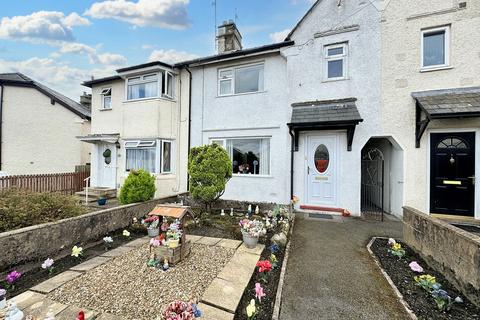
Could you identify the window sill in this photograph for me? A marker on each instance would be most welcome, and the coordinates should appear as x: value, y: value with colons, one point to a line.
x: 436, y: 68
x: 105, y: 109
x: 240, y: 94
x: 335, y: 79
x: 250, y: 176
x: 165, y: 176
x: 150, y: 99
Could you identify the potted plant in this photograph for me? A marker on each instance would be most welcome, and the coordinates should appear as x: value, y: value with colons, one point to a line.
x: 102, y: 201
x: 152, y: 226
x: 3, y: 300
x: 174, y: 234
x: 251, y: 231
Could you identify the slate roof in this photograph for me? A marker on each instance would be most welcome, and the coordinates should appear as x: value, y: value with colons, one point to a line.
x: 450, y: 103
x: 19, y: 79
x: 326, y: 112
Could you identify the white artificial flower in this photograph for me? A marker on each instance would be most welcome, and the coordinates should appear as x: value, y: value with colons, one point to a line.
x: 108, y: 239
x: 391, y: 242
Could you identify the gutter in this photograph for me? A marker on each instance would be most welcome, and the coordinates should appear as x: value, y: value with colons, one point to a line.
x: 189, y: 120
x: 1, y: 122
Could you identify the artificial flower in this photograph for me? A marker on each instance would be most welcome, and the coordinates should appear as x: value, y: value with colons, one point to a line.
x: 415, y: 267
x: 3, y: 292
x: 126, y: 233
x: 264, y: 265
x: 396, y: 246
x: 12, y: 277
x: 295, y: 199
x: 196, y: 311
x: 391, y: 241
x: 47, y: 264
x: 251, y: 308
x: 259, y: 294
x: 274, y: 248
x: 81, y: 316
x: 155, y: 242
x: 273, y: 258
x: 108, y: 239
x: 77, y: 251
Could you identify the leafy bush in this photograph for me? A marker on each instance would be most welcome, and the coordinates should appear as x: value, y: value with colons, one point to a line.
x: 138, y: 187
x: 21, y: 208
x: 209, y: 168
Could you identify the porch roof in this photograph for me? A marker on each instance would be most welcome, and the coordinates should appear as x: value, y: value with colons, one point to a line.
x: 449, y: 103
x: 325, y: 115
x: 96, y: 138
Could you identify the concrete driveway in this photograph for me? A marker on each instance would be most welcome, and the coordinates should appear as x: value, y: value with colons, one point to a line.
x: 330, y: 274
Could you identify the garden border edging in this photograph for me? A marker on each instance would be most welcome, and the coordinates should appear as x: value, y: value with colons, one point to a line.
x: 389, y: 280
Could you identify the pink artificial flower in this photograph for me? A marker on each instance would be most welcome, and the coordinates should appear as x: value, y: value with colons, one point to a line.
x: 415, y: 267
x: 259, y: 294
x: 155, y: 242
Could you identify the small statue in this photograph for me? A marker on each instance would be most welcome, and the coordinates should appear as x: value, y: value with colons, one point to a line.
x: 152, y: 262
x: 222, y: 213
x: 231, y: 212
x: 257, y: 210
x: 13, y: 313
x: 165, y: 264
x: 249, y: 211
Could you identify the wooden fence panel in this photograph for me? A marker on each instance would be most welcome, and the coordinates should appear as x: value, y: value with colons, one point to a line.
x: 65, y: 183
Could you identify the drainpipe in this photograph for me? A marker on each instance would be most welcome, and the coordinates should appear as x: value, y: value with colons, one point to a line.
x: 1, y: 122
x: 189, y: 120
x: 292, y: 149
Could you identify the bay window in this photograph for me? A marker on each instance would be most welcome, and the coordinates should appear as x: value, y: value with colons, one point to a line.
x: 237, y: 80
x: 149, y: 86
x: 154, y: 156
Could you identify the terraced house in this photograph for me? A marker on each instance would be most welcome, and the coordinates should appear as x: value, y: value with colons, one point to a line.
x: 366, y: 106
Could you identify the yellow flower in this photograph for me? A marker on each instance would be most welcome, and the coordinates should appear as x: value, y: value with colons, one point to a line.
x: 273, y: 258
x: 396, y: 246
x: 76, y: 251
x: 126, y: 233
x: 251, y: 308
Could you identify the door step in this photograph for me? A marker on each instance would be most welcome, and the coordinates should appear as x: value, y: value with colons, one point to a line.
x: 95, y: 193
x: 324, y: 210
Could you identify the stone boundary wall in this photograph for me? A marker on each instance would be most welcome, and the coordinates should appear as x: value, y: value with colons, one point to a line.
x: 240, y: 206
x: 452, y: 251
x: 44, y: 240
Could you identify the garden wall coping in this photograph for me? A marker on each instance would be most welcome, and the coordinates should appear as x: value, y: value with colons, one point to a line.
x: 44, y: 240
x: 452, y: 251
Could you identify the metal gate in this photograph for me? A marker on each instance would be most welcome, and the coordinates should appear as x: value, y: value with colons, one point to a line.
x: 373, y: 179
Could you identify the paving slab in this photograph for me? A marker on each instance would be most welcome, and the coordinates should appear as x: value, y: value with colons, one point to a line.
x: 71, y: 313
x: 55, y: 282
x: 208, y: 241
x: 108, y: 316
x: 257, y: 250
x: 90, y: 264
x: 238, y: 272
x: 117, y: 252
x: 40, y: 308
x: 211, y: 313
x: 138, y: 242
x: 229, y: 243
x: 28, y: 298
x: 193, y: 238
x: 224, y: 294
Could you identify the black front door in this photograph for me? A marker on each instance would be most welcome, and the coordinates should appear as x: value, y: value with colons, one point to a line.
x: 452, y: 173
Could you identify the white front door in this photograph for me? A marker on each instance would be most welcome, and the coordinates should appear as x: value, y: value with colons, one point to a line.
x: 107, y: 165
x: 321, y: 154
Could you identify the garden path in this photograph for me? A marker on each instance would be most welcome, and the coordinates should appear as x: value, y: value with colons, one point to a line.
x: 330, y: 274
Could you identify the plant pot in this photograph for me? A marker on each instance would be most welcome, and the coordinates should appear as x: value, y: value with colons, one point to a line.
x: 249, y: 241
x: 3, y: 303
x: 102, y: 202
x: 172, y: 243
x: 152, y: 233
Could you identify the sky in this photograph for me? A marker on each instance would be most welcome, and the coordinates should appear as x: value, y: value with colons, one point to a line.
x: 63, y: 43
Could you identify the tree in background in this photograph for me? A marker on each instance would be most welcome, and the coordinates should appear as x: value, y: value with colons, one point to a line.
x: 209, y: 168
x: 138, y: 187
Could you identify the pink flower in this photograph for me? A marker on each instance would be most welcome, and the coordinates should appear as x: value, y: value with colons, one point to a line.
x: 155, y: 242
x: 415, y: 267
x: 259, y: 294
x: 12, y: 277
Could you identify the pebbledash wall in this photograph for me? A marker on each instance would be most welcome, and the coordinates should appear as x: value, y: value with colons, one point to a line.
x: 453, y: 252
x: 44, y: 240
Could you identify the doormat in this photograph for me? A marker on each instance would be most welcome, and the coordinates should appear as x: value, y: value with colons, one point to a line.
x: 320, y: 216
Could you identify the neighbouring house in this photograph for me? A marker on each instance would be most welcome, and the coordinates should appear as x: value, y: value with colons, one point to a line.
x: 431, y: 101
x: 140, y: 121
x: 39, y: 127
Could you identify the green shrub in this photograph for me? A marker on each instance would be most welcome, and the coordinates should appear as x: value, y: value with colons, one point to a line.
x: 138, y: 187
x: 209, y: 168
x: 21, y: 208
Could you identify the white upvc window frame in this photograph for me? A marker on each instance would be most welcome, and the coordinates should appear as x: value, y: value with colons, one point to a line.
x: 158, y: 145
x: 169, y: 77
x: 106, y: 92
x: 343, y: 57
x: 426, y: 31
x: 141, y: 80
x: 231, y: 78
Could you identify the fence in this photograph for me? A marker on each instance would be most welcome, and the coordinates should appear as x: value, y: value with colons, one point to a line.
x: 65, y: 183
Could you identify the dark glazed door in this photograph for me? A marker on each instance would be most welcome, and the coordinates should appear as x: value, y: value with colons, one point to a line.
x: 452, y: 173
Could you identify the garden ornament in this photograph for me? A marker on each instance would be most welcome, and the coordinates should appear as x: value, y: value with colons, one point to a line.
x: 231, y: 212
x: 257, y: 210
x: 165, y: 264
x: 222, y: 213
x: 13, y: 313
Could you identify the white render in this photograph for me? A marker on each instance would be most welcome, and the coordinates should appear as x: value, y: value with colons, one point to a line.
x: 40, y: 137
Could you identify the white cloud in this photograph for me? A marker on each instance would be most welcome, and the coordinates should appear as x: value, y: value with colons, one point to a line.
x: 94, y: 56
x: 280, y: 35
x: 41, y: 26
x: 171, y: 56
x: 171, y: 14
x: 57, y: 75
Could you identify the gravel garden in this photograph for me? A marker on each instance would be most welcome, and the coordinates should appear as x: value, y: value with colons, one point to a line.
x: 427, y: 293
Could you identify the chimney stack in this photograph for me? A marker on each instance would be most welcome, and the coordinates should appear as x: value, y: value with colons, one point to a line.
x: 228, y: 37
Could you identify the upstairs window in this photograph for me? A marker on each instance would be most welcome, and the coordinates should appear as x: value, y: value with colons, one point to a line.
x: 106, y: 98
x: 435, y: 47
x: 153, y: 85
x: 336, y: 61
x: 237, y: 80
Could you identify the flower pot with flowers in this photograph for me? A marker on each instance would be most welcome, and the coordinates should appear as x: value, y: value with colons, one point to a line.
x: 174, y: 233
x: 3, y: 300
x: 251, y: 231
x: 152, y: 226
x: 181, y: 310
